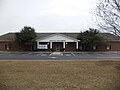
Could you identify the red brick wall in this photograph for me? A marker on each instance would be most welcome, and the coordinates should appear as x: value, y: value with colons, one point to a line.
x: 2, y: 46
x: 70, y: 46
x: 115, y: 46
x: 14, y: 47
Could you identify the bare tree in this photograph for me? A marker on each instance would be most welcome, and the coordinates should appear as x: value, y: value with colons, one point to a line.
x: 108, y: 15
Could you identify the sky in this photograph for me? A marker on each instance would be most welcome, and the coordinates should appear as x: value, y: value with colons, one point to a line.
x: 46, y: 15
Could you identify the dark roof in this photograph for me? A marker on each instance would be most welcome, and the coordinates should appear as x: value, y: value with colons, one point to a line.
x: 8, y: 36
x: 107, y: 36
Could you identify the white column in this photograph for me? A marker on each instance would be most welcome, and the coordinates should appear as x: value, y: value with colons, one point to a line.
x: 37, y: 45
x: 76, y: 45
x: 64, y: 45
x: 50, y: 45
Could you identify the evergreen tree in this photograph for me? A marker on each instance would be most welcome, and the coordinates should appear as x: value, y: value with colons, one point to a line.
x: 26, y: 36
x: 90, y: 38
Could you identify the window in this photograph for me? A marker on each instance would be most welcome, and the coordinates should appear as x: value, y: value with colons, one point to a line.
x: 94, y: 47
x: 7, y: 46
x: 108, y: 47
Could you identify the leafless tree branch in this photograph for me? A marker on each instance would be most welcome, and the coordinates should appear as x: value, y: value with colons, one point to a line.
x: 108, y: 15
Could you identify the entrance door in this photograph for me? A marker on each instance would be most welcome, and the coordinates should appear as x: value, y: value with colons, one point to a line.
x: 57, y: 47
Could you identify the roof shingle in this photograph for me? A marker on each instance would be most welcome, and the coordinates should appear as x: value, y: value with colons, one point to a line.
x: 106, y: 36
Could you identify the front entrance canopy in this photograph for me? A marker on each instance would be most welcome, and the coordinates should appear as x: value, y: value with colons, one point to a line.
x: 58, y: 38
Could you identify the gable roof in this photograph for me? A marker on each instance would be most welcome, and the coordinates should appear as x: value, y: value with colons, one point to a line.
x: 106, y: 36
x: 57, y: 36
x: 41, y: 35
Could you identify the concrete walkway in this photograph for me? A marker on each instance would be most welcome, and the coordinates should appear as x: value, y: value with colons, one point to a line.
x: 56, y: 53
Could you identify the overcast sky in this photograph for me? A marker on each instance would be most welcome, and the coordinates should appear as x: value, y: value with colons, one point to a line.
x: 46, y: 15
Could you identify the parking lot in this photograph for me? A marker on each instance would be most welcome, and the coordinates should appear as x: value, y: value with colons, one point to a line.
x: 60, y: 56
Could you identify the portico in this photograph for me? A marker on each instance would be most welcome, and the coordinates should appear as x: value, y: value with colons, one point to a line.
x: 58, y: 42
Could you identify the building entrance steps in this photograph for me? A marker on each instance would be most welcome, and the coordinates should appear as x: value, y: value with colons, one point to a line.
x: 56, y: 54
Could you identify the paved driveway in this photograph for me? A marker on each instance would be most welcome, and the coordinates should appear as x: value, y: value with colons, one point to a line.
x: 61, y: 56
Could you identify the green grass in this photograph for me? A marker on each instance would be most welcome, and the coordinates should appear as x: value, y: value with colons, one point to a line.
x: 59, y: 75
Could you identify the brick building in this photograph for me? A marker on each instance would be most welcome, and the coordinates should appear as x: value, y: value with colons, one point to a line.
x: 58, y: 42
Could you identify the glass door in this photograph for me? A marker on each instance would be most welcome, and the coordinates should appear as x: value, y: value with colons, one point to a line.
x: 57, y: 47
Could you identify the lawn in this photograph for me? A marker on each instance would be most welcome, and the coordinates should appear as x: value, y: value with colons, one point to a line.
x: 59, y: 75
